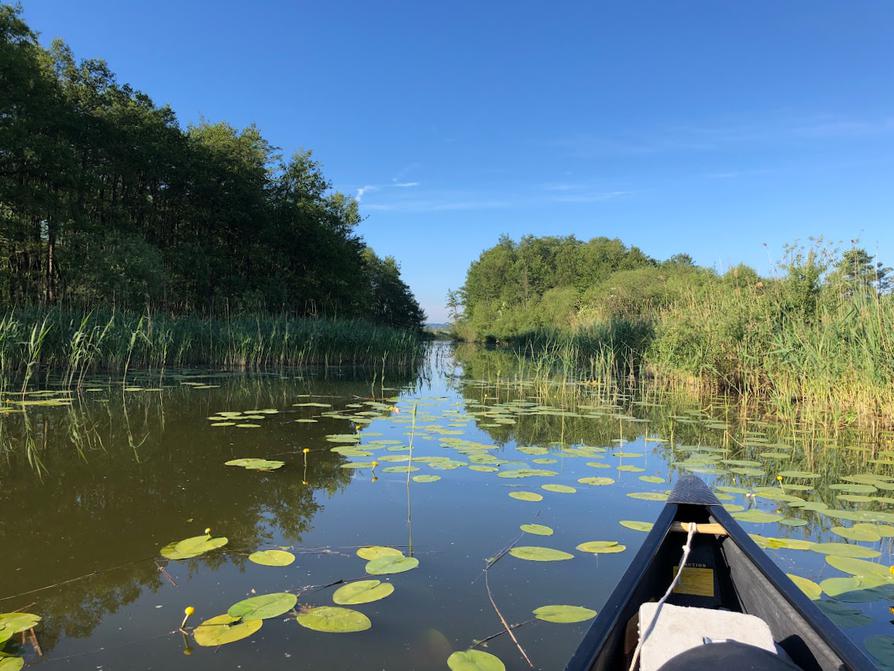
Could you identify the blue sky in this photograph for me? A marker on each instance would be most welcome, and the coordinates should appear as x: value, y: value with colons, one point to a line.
x: 723, y: 129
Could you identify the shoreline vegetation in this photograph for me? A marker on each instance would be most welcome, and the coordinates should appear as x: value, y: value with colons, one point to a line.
x: 70, y: 345
x: 815, y: 340
x: 128, y: 240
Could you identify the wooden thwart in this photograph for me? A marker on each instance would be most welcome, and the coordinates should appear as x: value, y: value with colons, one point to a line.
x: 711, y: 528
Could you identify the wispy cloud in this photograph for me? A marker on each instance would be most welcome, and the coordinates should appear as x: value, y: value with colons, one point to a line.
x: 363, y: 190
x: 404, y: 185
x: 438, y: 205
x: 672, y: 139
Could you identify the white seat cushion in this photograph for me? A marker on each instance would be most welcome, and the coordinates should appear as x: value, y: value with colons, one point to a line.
x: 679, y: 628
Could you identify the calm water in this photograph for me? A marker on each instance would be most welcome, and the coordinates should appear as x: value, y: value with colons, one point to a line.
x: 90, y: 491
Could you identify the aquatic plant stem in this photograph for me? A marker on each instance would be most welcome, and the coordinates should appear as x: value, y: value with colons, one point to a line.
x: 503, y: 619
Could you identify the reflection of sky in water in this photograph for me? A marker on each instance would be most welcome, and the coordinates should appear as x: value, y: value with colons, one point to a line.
x: 124, y: 473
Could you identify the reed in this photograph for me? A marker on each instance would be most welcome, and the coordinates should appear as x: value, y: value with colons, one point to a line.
x: 71, y: 344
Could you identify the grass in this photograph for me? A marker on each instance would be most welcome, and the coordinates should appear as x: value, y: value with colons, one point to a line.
x: 74, y: 344
x: 832, y: 361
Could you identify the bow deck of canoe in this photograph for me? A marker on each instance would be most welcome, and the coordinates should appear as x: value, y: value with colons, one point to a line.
x: 725, y: 571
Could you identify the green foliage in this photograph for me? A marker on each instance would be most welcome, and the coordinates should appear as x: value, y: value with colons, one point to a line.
x: 105, y: 198
x: 818, y: 334
x: 76, y: 343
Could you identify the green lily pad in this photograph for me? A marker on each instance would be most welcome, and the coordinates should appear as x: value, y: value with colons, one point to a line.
x: 474, y: 660
x: 251, y: 464
x: 192, y: 547
x: 562, y: 614
x: 881, y: 647
x: 426, y: 478
x: 400, y: 469
x: 757, y: 516
x: 536, y: 529
x: 371, y: 552
x: 602, y: 547
x: 390, y: 564
x: 263, y: 607
x: 810, y: 588
x: 14, y: 623
x: 223, y: 629
x: 648, y: 496
x: 858, y: 532
x: 362, y: 591
x: 786, y: 543
x: 272, y: 557
x: 654, y: 479
x: 799, y: 475
x: 853, y: 488
x: 526, y: 496
x: 527, y: 473
x: 333, y: 620
x: 559, y: 489
x: 11, y: 663
x: 842, y: 615
x: 845, y: 550
x: 636, y: 525
x: 536, y: 553
x: 595, y: 481
x: 860, y: 567
x: 853, y: 589
x: 629, y: 468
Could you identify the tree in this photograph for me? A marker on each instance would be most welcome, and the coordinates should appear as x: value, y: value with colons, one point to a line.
x: 858, y: 271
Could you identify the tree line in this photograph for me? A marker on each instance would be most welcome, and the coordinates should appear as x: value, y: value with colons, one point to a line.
x: 564, y: 284
x: 106, y: 199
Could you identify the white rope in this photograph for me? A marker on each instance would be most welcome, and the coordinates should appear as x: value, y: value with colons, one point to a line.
x: 642, y: 639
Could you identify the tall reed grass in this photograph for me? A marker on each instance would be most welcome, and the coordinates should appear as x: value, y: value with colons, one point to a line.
x: 73, y: 344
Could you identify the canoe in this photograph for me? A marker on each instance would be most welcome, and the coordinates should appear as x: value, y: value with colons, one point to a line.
x: 727, y: 571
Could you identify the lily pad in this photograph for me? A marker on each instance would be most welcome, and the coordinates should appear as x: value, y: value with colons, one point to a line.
x: 810, y: 588
x: 602, y: 547
x: 426, y: 478
x: 562, y: 614
x: 858, y: 532
x: 528, y: 473
x: 536, y: 553
x: 526, y: 496
x: 559, y: 489
x: 845, y: 550
x: 391, y: 564
x: 223, y: 629
x: 474, y: 660
x: 371, y: 552
x: 13, y: 623
x: 860, y: 567
x: 654, y: 479
x: 251, y: 464
x: 272, y: 557
x: 192, y: 547
x: 757, y: 516
x: 11, y: 663
x: 362, y: 591
x: 263, y: 607
x: 842, y: 615
x: 333, y: 620
x: 636, y: 525
x: 799, y: 475
x: 648, y: 496
x: 853, y: 589
x: 536, y: 529
x: 596, y: 481
x: 881, y: 647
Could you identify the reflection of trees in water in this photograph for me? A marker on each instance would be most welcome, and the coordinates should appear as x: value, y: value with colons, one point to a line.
x: 682, y: 420
x: 124, y: 473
